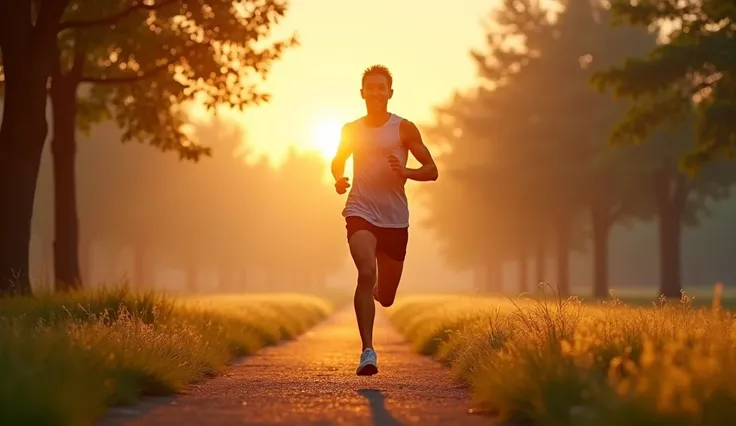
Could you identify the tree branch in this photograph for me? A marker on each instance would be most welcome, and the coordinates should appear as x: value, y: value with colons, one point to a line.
x: 141, y: 75
x: 707, y: 84
x: 115, y: 17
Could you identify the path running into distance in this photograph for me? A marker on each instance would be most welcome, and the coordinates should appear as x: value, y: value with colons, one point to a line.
x: 311, y: 381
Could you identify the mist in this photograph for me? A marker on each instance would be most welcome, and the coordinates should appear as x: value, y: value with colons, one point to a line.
x: 241, y: 221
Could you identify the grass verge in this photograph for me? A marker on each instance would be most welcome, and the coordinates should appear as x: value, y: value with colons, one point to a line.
x: 65, y: 358
x: 562, y: 362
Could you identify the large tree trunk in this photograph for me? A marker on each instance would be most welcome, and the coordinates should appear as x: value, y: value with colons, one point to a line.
x: 27, y: 57
x: 22, y: 136
x: 601, y: 224
x: 669, y: 249
x: 562, y: 231
x: 671, y: 196
x: 64, y: 148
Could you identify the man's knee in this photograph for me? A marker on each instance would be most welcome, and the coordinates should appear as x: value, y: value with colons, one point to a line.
x: 386, y: 301
x: 367, y: 276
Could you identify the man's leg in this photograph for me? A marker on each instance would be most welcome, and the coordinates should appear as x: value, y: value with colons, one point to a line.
x: 390, y: 255
x: 363, y: 250
x: 389, y: 276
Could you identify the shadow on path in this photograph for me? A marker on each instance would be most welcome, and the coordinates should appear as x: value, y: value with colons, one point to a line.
x: 379, y: 414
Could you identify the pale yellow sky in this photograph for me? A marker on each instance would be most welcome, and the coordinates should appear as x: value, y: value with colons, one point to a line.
x: 425, y: 43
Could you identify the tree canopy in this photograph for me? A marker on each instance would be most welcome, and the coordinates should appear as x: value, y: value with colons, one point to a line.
x: 142, y: 62
x: 695, y: 67
x: 147, y: 60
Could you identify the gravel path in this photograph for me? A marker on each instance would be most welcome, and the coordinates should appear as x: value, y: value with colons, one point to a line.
x: 312, y: 381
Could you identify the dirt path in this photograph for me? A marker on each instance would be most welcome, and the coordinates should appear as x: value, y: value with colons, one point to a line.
x: 312, y: 381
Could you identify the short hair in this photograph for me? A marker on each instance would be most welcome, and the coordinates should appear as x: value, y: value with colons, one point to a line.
x: 378, y: 70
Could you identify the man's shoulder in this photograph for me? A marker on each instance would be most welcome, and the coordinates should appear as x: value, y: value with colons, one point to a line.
x: 349, y: 128
x: 407, y: 127
x: 352, y: 124
x: 405, y: 122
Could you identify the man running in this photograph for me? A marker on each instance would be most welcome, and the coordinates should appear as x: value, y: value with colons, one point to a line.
x: 376, y: 212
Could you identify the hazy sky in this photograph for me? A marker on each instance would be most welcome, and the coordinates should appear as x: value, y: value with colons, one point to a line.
x: 425, y: 44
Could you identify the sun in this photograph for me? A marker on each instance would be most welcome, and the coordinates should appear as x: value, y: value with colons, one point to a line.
x: 325, y: 136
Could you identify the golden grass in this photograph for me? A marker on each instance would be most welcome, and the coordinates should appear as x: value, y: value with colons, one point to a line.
x: 65, y: 358
x: 561, y: 362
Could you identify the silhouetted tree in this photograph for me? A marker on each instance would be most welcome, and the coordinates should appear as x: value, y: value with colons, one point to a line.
x: 549, y: 159
x: 28, y: 33
x: 695, y: 68
x: 143, y: 69
x: 181, y: 49
x: 532, y: 141
x: 685, y: 81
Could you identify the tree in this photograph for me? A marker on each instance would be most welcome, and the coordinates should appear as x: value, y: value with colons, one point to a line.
x: 475, y: 241
x: 680, y: 200
x: 27, y: 39
x: 184, y: 50
x: 166, y: 42
x: 681, y: 85
x: 539, y: 171
x: 550, y: 163
x: 614, y: 192
x: 697, y: 65
x: 492, y: 134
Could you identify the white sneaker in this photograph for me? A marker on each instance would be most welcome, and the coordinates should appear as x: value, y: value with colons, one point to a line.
x: 368, y: 363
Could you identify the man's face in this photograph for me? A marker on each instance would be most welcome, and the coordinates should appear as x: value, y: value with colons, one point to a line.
x: 376, y: 92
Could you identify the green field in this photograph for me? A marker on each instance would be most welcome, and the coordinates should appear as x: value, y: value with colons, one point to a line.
x: 564, y: 362
x: 65, y: 358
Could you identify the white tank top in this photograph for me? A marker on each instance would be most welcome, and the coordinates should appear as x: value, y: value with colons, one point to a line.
x: 376, y: 192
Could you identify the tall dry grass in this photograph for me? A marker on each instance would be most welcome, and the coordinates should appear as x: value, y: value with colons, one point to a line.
x: 65, y: 358
x: 562, y: 362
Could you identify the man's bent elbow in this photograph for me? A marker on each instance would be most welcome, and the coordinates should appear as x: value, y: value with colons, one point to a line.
x: 434, y: 174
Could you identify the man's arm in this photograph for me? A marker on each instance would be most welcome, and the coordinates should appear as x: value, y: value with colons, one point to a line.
x: 344, y: 151
x: 412, y: 140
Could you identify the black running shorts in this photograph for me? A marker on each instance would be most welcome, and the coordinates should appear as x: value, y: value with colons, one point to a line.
x: 391, y: 241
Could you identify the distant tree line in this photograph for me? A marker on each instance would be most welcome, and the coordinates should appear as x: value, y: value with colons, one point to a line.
x: 541, y: 164
x: 258, y: 226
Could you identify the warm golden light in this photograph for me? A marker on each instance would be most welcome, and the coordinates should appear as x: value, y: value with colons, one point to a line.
x: 325, y: 136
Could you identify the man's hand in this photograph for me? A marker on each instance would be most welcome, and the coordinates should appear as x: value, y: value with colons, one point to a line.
x: 397, y: 167
x: 342, y: 185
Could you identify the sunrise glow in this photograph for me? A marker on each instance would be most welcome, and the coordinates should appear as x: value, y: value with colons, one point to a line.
x: 325, y: 135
